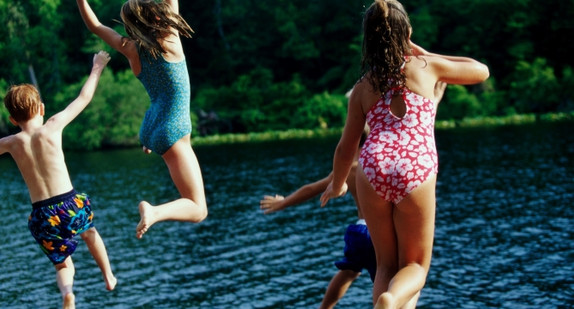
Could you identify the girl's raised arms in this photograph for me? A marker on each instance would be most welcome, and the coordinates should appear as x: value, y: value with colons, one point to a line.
x: 109, y: 35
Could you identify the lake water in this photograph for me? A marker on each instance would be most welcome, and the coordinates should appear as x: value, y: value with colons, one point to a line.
x: 504, y: 228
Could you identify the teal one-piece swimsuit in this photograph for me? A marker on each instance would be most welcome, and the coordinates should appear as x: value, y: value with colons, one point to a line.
x: 167, y: 120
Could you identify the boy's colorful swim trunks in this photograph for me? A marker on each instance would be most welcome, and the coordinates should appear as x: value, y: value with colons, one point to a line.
x: 55, y: 222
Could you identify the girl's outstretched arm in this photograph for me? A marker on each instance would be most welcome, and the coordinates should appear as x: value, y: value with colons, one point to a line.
x: 109, y: 35
x: 174, y: 5
x: 453, y: 69
x: 348, y: 144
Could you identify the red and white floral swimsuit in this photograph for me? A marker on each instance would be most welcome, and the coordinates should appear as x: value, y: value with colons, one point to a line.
x: 400, y: 153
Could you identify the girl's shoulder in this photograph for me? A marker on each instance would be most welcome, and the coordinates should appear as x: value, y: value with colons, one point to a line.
x: 364, y: 93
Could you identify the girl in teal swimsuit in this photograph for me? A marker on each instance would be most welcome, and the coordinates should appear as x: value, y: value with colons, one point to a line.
x: 155, y: 53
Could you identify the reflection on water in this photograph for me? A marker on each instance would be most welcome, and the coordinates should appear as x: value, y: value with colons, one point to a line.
x: 503, y: 235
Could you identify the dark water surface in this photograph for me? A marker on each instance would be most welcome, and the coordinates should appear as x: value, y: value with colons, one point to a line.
x: 504, y: 234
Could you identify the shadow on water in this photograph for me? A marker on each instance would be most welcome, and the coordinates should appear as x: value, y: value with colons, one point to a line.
x: 503, y: 230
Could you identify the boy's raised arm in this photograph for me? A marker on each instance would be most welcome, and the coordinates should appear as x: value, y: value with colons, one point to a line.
x: 275, y: 203
x: 63, y: 118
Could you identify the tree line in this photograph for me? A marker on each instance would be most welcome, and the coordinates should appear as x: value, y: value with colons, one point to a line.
x: 257, y: 66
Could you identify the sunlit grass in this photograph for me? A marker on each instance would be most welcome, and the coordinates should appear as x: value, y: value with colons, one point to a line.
x: 335, y: 132
x: 266, y: 136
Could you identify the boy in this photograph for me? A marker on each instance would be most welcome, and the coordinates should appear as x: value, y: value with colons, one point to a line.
x: 359, y: 251
x: 59, y: 212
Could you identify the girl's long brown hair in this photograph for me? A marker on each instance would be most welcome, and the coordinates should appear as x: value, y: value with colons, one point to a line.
x: 148, y: 22
x: 386, y: 29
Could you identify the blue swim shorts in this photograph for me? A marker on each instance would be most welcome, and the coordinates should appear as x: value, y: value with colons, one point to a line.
x: 359, y: 251
x: 55, y: 222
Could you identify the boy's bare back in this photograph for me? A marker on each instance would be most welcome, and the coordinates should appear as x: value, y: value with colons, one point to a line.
x: 37, y: 149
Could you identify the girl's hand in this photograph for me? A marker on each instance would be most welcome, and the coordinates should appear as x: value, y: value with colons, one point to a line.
x: 331, y: 192
x: 439, y: 89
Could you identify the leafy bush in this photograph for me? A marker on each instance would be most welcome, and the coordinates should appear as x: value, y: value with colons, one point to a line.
x: 534, y: 87
x: 322, y: 111
x: 255, y: 103
x: 112, y: 118
x: 4, y: 115
x: 458, y: 103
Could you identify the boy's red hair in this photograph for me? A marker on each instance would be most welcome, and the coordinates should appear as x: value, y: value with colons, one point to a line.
x: 23, y: 102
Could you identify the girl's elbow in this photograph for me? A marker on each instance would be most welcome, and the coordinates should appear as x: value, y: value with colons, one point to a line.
x: 484, y: 72
x: 477, y: 75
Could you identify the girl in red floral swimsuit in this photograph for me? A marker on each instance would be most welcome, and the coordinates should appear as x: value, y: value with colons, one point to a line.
x: 397, y: 179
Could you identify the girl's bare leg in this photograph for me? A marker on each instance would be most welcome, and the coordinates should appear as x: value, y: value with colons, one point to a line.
x: 379, y: 216
x: 414, y: 246
x: 337, y: 288
x: 65, y: 278
x: 98, y: 250
x: 186, y: 175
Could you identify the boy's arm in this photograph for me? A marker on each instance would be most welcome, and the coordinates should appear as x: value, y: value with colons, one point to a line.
x: 63, y: 118
x: 5, y: 144
x: 275, y: 203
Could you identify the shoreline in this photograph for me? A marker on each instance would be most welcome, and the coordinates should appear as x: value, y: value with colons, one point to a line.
x: 294, y: 134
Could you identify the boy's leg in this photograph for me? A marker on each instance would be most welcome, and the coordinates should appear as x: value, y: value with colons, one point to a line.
x: 65, y: 278
x: 98, y: 250
x: 186, y: 175
x: 337, y: 288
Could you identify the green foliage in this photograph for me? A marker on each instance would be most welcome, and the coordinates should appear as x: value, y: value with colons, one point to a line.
x: 323, y: 111
x: 4, y: 115
x: 534, y: 88
x: 566, y: 86
x: 257, y: 66
x: 459, y: 103
x: 112, y: 118
x: 256, y: 103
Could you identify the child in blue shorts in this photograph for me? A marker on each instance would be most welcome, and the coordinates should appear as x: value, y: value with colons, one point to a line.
x: 359, y: 252
x: 59, y: 213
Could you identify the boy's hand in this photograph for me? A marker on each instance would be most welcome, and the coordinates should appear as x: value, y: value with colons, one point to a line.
x: 101, y: 59
x: 271, y: 203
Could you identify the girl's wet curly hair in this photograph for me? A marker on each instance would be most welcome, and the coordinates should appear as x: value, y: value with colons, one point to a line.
x: 148, y: 21
x: 386, y: 29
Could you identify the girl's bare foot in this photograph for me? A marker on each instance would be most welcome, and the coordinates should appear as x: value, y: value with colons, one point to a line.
x: 69, y: 301
x: 145, y: 223
x: 111, y: 283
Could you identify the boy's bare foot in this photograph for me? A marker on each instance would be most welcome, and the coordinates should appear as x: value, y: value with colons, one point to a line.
x: 69, y: 301
x: 145, y: 223
x: 111, y: 283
